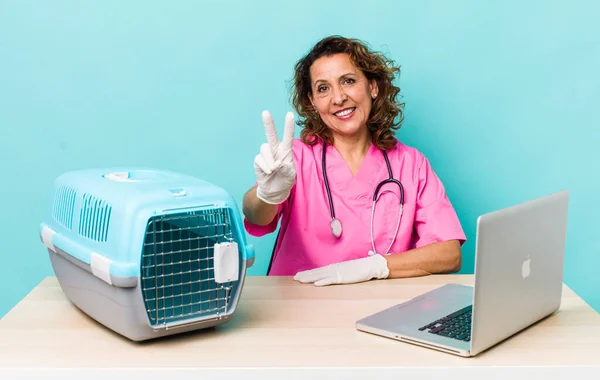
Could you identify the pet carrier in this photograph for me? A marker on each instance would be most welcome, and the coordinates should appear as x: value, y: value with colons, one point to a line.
x: 145, y: 252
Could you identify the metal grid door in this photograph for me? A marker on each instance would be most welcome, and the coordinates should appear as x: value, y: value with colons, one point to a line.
x: 178, y: 281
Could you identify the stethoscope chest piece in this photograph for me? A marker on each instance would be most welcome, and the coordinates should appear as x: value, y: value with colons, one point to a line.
x: 336, y: 227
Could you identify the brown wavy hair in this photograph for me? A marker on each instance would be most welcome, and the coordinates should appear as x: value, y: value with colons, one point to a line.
x: 386, y: 114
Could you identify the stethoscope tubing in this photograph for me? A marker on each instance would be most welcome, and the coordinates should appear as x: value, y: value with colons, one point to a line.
x: 334, y: 221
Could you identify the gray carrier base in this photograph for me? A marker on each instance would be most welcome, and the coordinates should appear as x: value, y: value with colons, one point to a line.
x: 120, y: 306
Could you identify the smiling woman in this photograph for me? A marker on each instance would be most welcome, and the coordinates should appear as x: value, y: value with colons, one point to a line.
x: 346, y: 162
x: 351, y: 61
x: 342, y: 98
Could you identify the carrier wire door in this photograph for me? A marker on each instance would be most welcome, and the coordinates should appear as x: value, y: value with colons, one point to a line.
x: 178, y: 279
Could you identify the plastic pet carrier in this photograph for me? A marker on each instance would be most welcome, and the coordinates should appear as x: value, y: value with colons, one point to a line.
x: 147, y: 253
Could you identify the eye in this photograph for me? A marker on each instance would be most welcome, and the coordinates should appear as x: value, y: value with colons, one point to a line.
x: 349, y: 81
x: 322, y: 88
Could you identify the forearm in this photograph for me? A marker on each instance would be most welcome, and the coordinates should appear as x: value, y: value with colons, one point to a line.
x: 434, y: 258
x: 257, y: 211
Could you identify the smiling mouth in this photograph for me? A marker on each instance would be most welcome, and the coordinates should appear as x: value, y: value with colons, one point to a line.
x: 345, y: 113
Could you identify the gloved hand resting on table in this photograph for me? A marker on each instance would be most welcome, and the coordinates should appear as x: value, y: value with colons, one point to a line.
x: 353, y: 271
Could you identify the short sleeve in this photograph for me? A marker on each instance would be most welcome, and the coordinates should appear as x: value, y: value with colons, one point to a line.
x: 435, y: 220
x: 257, y: 230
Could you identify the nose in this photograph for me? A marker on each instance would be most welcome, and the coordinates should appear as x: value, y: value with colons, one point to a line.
x: 339, y: 96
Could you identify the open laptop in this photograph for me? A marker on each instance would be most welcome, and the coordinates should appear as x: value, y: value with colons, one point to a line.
x: 518, y: 281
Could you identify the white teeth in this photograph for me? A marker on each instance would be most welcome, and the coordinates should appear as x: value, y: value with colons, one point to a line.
x: 345, y: 112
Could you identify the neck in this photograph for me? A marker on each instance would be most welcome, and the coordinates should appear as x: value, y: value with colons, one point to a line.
x: 353, y: 148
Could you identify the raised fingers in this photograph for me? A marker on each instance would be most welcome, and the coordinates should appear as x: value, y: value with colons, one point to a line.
x: 266, y: 160
x: 288, y: 132
x: 270, y: 130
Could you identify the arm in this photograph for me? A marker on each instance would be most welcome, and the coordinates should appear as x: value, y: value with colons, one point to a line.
x: 443, y: 257
x: 275, y: 174
x: 435, y: 221
x: 256, y: 211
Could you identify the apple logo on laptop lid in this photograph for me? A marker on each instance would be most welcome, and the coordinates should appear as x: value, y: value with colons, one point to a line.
x: 526, y: 267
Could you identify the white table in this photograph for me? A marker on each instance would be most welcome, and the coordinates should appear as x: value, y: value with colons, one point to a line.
x: 282, y: 326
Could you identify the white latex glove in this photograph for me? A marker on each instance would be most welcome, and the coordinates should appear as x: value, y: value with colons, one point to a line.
x: 274, y: 166
x: 347, y: 272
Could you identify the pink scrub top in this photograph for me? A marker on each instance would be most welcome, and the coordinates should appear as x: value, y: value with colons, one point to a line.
x: 305, y: 240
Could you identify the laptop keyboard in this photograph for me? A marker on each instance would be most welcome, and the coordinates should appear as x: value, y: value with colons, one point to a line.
x: 456, y: 325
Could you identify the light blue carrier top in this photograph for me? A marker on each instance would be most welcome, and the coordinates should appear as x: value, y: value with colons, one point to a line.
x: 100, y: 216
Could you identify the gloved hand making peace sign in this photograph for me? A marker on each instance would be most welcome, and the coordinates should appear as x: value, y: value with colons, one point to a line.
x: 274, y: 165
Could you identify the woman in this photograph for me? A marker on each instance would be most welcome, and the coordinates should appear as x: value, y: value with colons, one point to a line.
x: 322, y: 185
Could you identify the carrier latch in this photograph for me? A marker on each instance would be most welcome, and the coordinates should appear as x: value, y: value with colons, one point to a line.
x: 226, y: 262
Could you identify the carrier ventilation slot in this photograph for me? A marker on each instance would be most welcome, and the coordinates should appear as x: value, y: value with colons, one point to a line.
x: 64, y: 206
x: 177, y: 266
x: 94, y: 218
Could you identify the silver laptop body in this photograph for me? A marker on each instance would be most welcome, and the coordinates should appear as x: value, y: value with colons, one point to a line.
x: 518, y: 281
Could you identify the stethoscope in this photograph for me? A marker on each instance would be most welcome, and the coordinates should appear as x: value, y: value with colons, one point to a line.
x: 336, y: 225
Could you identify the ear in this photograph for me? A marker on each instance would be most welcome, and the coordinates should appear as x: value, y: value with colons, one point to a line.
x: 311, y: 99
x: 374, y: 88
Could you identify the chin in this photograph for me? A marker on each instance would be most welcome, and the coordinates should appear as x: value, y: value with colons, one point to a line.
x: 344, y: 127
x: 347, y: 130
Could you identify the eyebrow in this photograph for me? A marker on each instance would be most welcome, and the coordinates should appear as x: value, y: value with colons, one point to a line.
x: 341, y: 76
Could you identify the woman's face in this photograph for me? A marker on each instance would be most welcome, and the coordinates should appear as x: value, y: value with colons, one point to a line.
x: 342, y: 94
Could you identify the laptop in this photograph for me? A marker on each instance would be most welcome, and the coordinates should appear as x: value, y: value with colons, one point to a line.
x: 518, y: 281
